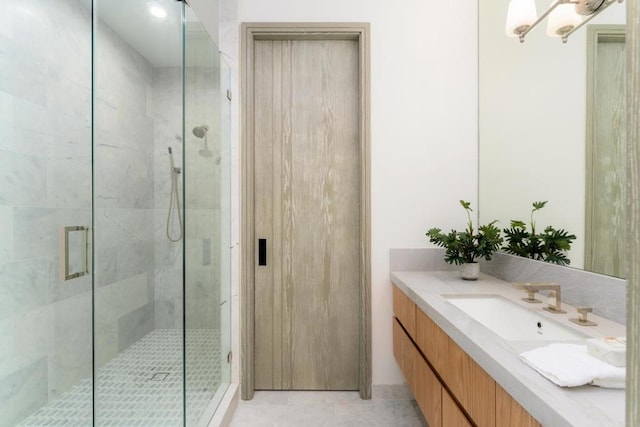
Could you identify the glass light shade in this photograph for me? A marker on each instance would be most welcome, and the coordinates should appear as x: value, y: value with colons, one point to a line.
x: 521, y: 14
x: 562, y: 20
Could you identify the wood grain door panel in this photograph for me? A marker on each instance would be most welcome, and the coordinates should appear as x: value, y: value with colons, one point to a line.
x: 307, y: 192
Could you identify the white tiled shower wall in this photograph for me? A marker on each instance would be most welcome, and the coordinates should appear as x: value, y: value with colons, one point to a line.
x: 45, y: 155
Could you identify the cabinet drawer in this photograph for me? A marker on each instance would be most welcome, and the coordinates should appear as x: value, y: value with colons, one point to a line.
x: 472, y: 386
x: 402, y: 350
x: 510, y: 413
x: 432, y: 341
x: 427, y: 391
x: 452, y: 416
x: 468, y: 382
x: 405, y: 310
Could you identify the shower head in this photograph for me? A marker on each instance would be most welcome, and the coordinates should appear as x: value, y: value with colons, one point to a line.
x: 200, y: 131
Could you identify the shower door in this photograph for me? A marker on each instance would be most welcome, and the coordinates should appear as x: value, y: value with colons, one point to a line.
x: 207, y: 218
x: 98, y: 270
x: 45, y: 186
x: 138, y: 312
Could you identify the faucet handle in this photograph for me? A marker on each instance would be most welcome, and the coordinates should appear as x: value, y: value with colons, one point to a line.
x: 531, y: 298
x: 582, y: 320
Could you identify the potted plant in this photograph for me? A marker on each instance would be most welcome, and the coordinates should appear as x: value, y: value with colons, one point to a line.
x: 465, y: 247
x: 551, y: 245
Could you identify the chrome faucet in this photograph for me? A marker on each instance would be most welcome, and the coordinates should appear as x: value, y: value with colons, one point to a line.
x: 554, y: 290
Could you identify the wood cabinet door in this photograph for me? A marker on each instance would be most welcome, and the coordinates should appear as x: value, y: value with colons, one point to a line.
x: 452, y: 416
x: 427, y: 390
x: 405, y: 310
x: 402, y: 350
x: 509, y: 412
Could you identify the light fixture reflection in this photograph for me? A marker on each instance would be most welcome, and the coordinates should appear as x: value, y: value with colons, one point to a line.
x: 562, y: 20
x: 565, y: 16
x: 521, y: 15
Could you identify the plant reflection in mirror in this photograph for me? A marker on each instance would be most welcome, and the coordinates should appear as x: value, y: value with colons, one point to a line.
x: 551, y: 245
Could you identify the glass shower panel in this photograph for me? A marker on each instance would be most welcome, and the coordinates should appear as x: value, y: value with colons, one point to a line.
x: 137, y: 100
x: 206, y: 224
x: 225, y: 224
x: 45, y: 185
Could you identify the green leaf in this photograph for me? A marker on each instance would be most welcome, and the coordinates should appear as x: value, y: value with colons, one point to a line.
x: 468, y: 245
x: 539, y: 205
x: 551, y: 245
x: 518, y: 224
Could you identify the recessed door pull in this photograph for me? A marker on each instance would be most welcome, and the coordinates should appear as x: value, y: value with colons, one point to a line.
x: 262, y: 251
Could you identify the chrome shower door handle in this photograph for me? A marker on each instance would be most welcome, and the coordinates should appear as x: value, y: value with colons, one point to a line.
x: 65, y: 274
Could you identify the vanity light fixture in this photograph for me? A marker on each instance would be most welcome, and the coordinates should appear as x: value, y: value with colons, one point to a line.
x: 565, y: 16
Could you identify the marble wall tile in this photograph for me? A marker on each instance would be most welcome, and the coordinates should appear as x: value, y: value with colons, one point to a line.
x: 69, y: 183
x: 419, y: 259
x: 134, y: 258
x: 37, y: 230
x: 166, y: 97
x: 60, y: 289
x: 111, y: 303
x: 23, y: 181
x: 23, y: 392
x: 70, y: 357
x: 135, y: 130
x: 23, y: 286
x: 6, y: 231
x: 6, y: 19
x: 21, y: 73
x: 606, y: 294
x: 105, y: 269
x: 67, y: 107
x: 6, y: 121
x: 25, y: 339
x: 116, y: 227
x: 168, y: 297
x: 123, y: 177
x: 135, y: 325
x: 30, y: 116
x: 32, y: 142
x: 105, y: 115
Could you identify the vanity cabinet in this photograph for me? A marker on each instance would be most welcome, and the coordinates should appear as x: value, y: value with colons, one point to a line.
x: 449, y: 387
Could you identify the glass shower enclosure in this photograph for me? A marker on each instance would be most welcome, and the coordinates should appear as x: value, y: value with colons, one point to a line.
x: 114, y: 214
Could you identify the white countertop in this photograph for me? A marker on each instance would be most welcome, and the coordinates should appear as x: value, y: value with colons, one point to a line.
x: 551, y: 405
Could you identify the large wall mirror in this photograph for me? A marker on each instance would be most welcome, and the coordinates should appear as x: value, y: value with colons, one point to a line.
x: 552, y: 127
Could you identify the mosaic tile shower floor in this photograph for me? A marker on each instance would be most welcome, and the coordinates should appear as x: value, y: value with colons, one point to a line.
x: 142, y: 386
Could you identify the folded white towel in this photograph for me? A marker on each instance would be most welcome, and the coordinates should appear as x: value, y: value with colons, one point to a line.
x: 570, y: 365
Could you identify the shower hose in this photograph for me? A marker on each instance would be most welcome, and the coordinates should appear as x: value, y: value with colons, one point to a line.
x: 174, y: 196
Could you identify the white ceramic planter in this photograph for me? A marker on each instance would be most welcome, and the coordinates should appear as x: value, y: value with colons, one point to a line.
x: 470, y: 271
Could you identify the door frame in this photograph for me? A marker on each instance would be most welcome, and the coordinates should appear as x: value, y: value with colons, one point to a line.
x: 596, y: 34
x: 302, y: 31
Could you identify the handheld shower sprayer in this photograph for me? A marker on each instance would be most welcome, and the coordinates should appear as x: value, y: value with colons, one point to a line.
x: 175, y: 171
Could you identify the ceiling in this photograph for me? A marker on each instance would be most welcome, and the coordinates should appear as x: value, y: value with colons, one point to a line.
x: 157, y: 39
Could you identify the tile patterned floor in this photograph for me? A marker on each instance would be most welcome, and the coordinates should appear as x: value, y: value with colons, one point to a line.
x: 142, y: 386
x: 326, y: 408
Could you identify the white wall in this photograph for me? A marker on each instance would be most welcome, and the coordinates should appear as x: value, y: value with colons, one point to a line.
x: 424, y: 126
x: 532, y: 123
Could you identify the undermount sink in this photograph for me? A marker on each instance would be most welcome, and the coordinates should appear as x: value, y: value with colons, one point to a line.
x: 511, y: 321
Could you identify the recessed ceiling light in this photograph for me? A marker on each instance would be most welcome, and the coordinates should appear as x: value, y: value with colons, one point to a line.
x: 158, y: 12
